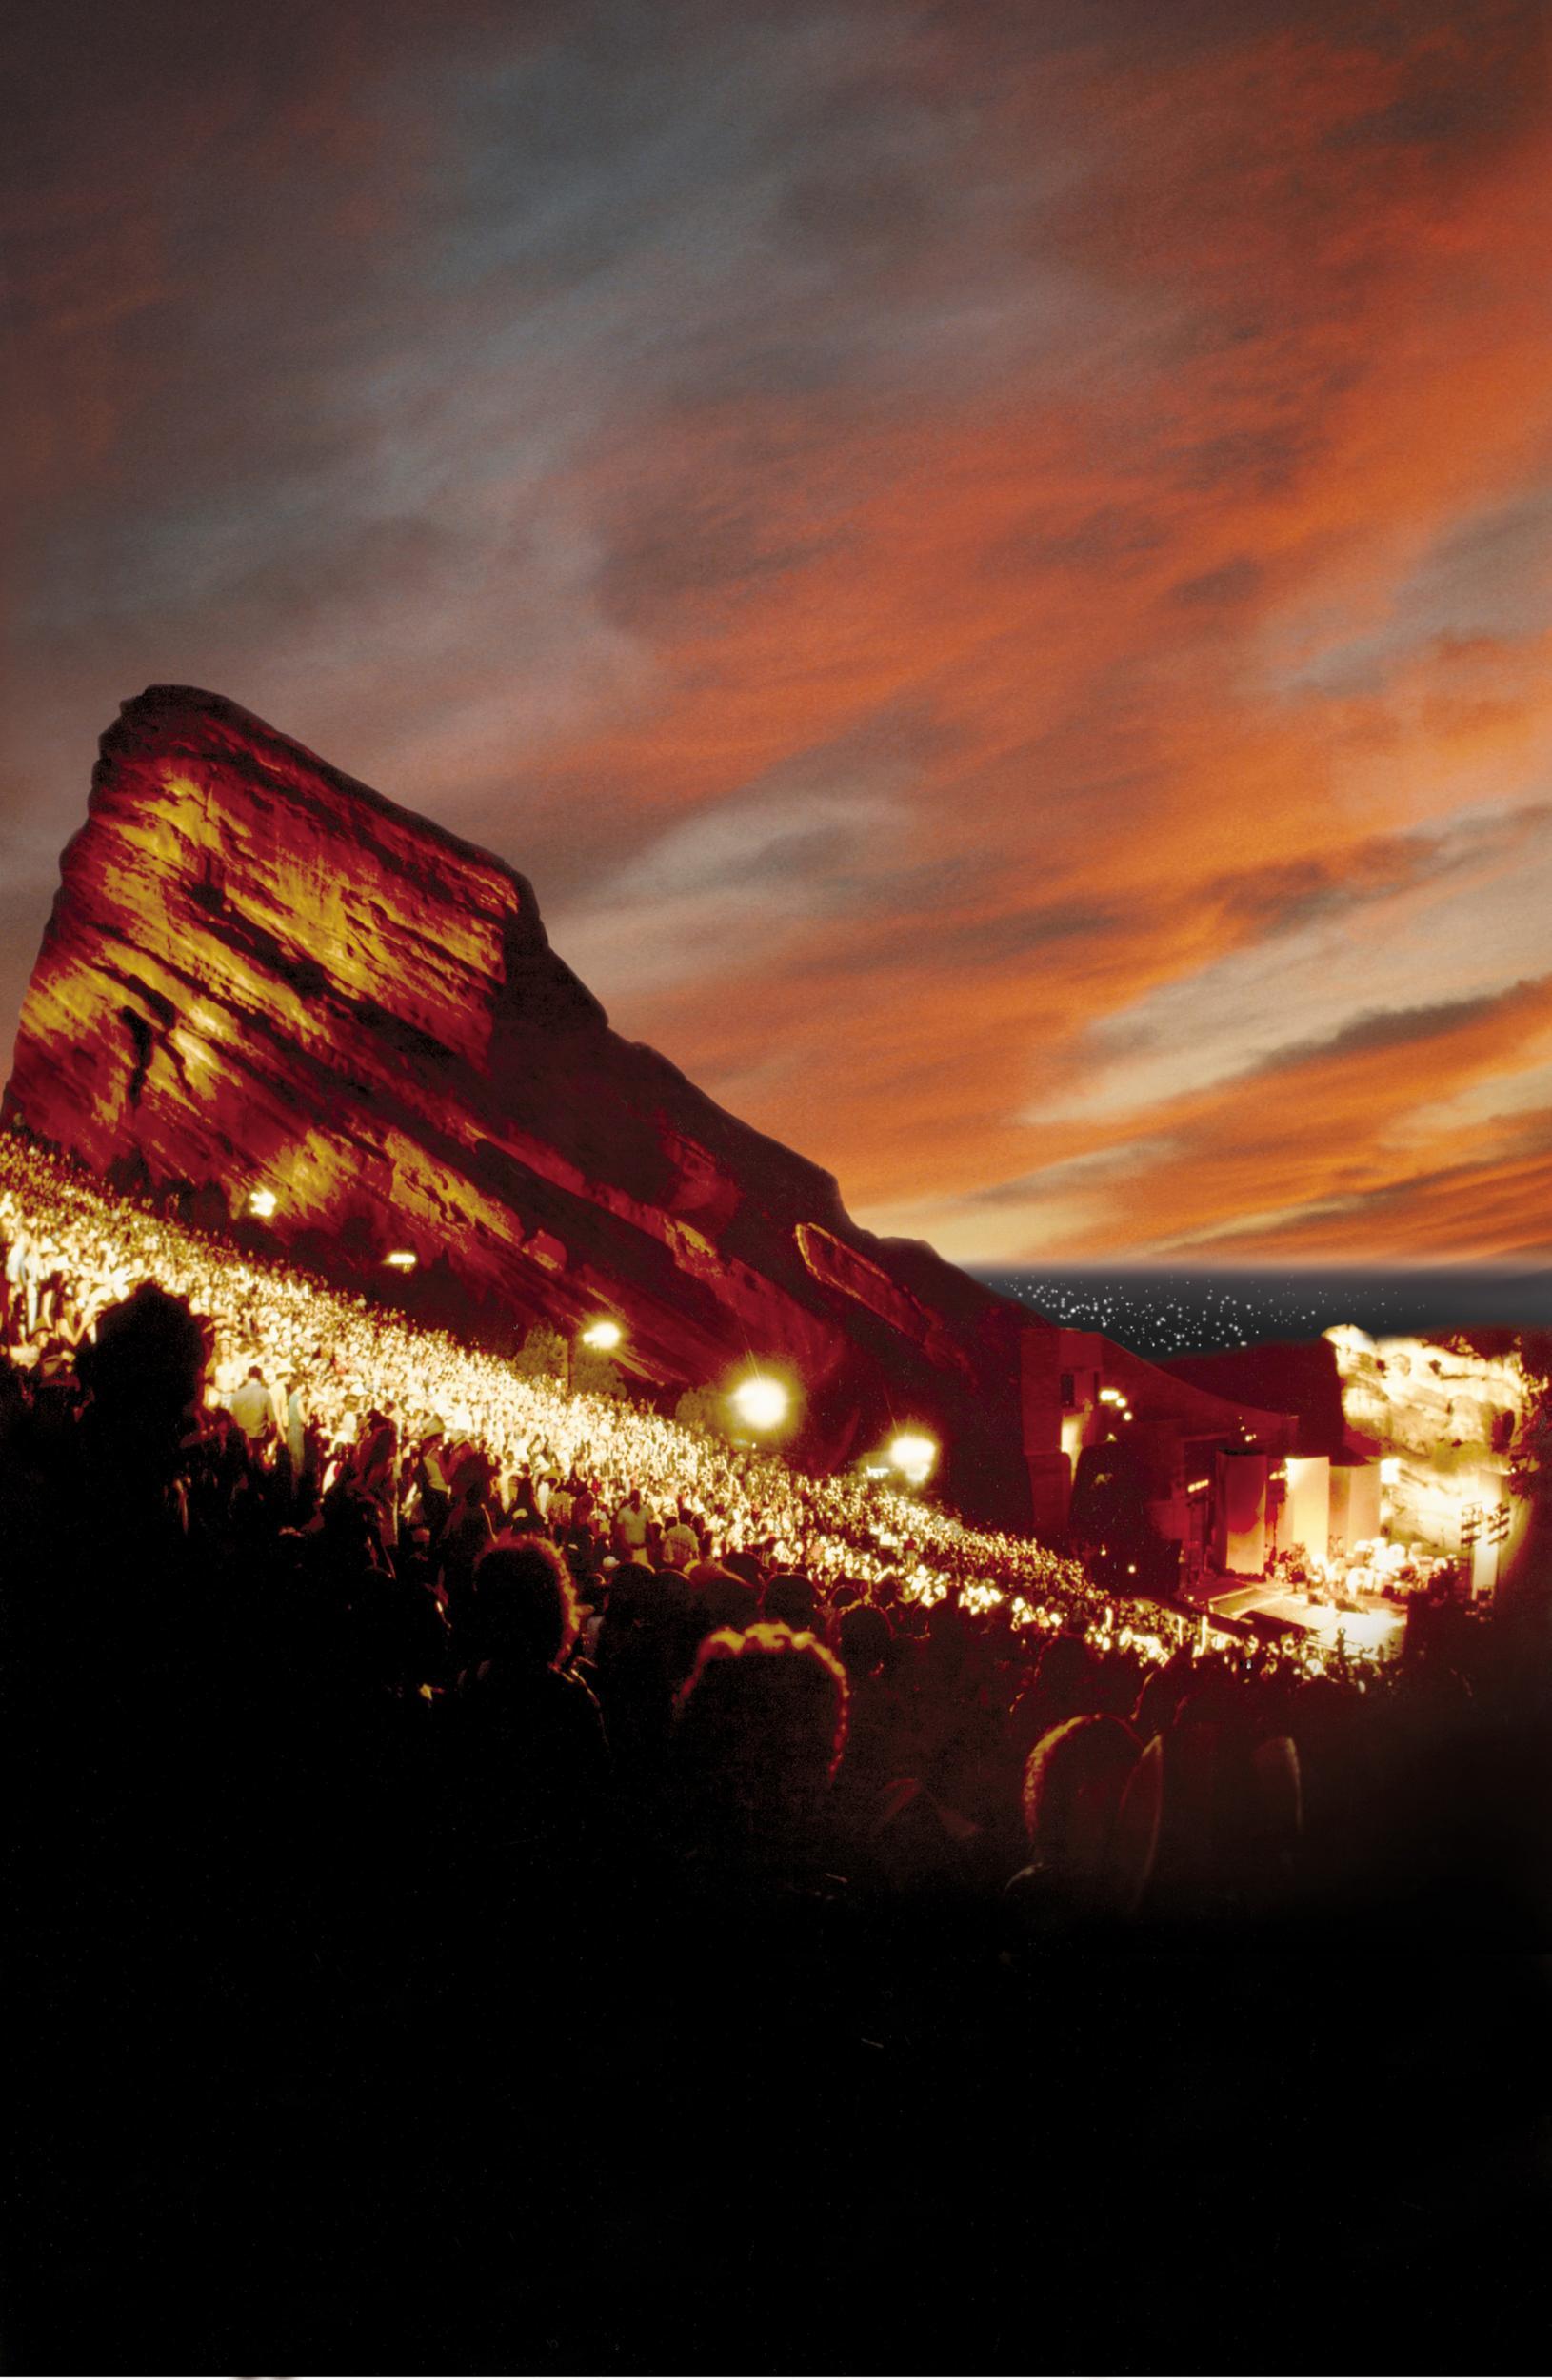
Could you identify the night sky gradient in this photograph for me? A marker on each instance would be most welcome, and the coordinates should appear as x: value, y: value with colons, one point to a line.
x: 990, y: 563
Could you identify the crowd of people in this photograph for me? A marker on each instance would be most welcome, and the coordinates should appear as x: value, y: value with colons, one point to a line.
x: 417, y: 1737
x: 341, y: 1388
x: 321, y: 1429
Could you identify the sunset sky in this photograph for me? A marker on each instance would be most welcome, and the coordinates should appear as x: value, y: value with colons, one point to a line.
x: 991, y: 562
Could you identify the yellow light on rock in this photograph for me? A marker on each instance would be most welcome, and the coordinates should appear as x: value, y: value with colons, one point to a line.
x: 601, y: 1335
x: 402, y: 1260
x: 263, y: 1204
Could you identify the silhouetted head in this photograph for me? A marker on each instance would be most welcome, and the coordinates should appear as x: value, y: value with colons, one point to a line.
x: 352, y: 1524
x: 147, y: 1364
x: 1065, y: 1674
x: 790, y: 1601
x: 527, y: 1603
x: 1073, y: 1784
x: 863, y: 1639
x: 728, y: 1600
x: 1158, y: 1699
x: 762, y: 1718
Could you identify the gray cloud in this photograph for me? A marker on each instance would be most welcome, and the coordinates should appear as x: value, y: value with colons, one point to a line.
x: 1231, y: 583
x: 992, y: 941
x: 1292, y: 893
x: 1093, y: 1169
x: 1396, y: 1029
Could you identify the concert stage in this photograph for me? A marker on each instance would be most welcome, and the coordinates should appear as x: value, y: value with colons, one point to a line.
x: 1271, y: 1607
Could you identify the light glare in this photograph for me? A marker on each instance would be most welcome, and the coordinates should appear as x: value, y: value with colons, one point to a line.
x: 760, y: 1402
x: 914, y: 1454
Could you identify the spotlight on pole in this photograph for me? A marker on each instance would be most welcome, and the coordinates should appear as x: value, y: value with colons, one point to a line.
x: 760, y: 1402
x: 603, y: 1336
x: 913, y: 1454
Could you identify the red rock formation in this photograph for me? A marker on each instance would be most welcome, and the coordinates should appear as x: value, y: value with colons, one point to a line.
x: 260, y: 973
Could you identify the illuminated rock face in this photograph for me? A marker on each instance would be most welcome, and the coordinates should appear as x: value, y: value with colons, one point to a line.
x: 263, y: 975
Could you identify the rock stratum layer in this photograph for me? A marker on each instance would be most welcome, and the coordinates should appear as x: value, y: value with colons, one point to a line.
x: 259, y: 973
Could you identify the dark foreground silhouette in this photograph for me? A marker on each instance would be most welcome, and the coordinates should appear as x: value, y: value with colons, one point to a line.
x: 448, y: 1948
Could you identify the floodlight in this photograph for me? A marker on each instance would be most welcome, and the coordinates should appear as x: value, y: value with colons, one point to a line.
x: 914, y: 1454
x: 761, y: 1401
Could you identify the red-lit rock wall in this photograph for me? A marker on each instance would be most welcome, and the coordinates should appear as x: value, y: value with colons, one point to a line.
x: 261, y: 973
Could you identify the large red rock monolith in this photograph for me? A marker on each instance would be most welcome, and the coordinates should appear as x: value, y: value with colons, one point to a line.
x: 259, y: 973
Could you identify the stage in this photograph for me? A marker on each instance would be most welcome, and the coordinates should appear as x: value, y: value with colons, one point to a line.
x: 1376, y: 1627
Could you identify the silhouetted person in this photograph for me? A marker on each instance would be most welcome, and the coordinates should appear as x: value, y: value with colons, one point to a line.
x: 876, y: 1718
x: 790, y: 1601
x: 468, y: 1537
x: 1062, y: 1688
x: 529, y: 1754
x: 729, y: 1601
x: 761, y: 1722
x: 1088, y: 1861
x: 632, y: 1527
x: 1231, y: 1817
x: 253, y: 1407
x: 681, y: 1546
x: 653, y: 1624
x: 524, y: 1515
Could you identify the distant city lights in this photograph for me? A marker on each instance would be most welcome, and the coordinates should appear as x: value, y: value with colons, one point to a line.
x: 1160, y: 1312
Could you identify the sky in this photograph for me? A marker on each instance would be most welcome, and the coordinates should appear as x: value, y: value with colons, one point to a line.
x: 990, y: 561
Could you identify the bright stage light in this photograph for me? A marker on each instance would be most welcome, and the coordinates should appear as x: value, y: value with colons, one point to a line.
x: 263, y: 1204
x: 914, y: 1454
x: 402, y: 1260
x: 601, y: 1335
x: 761, y: 1401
